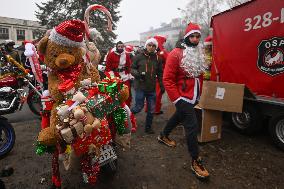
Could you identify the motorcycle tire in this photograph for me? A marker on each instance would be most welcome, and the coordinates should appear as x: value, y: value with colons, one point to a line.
x: 34, y: 103
x: 7, y: 137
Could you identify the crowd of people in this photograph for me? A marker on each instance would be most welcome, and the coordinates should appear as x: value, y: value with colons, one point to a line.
x: 180, y: 73
x: 153, y: 70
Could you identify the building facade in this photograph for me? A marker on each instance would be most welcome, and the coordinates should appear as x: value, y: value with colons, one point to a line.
x: 19, y: 30
x: 172, y: 31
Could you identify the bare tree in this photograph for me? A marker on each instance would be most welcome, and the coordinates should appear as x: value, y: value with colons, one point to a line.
x: 201, y: 12
x: 233, y: 3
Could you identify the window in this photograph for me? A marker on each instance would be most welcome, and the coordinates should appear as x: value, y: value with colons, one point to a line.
x: 4, y: 33
x: 20, y: 35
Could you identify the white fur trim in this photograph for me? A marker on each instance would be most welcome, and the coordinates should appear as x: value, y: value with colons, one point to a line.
x: 62, y: 40
x: 151, y: 40
x: 122, y: 60
x: 191, y: 32
x: 208, y: 43
x: 195, y: 97
x: 111, y: 73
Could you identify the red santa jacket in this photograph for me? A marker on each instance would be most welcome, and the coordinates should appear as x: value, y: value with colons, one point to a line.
x: 177, y: 84
x: 118, y: 64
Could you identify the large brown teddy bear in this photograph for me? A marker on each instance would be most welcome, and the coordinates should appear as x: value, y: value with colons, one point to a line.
x: 63, y: 50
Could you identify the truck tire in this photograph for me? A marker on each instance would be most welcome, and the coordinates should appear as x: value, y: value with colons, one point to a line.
x: 276, y: 129
x: 249, y: 121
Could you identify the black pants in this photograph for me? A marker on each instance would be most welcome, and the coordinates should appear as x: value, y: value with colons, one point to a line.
x: 185, y: 115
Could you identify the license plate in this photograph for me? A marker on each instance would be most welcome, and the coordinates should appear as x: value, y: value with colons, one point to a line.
x: 107, y: 154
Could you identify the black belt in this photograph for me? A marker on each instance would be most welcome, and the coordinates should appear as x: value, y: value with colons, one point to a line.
x: 119, y: 69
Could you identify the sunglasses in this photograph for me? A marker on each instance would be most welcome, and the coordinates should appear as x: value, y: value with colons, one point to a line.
x: 196, y: 36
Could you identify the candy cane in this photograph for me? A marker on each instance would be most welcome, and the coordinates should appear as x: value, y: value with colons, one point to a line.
x: 87, y: 17
x: 31, y: 54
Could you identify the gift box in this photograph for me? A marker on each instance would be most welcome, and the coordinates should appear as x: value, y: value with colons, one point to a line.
x: 101, y: 105
x: 98, y: 137
x: 72, y: 132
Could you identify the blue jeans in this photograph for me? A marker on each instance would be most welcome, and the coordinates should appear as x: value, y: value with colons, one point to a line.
x: 139, y: 104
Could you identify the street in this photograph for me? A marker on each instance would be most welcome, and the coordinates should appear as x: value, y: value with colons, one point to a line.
x: 235, y: 161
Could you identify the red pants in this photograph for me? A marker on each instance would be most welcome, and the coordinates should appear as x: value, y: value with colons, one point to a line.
x: 159, y: 96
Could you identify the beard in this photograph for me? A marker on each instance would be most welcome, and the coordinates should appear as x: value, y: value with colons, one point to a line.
x: 193, y: 61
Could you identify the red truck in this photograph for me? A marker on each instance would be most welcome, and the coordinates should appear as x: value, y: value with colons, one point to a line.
x: 248, y: 48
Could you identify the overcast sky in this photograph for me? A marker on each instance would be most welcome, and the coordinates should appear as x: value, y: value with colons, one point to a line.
x: 137, y: 15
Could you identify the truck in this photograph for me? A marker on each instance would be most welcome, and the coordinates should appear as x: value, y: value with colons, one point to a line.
x: 248, y: 48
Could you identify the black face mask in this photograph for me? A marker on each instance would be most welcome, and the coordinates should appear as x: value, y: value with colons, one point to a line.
x: 188, y: 43
x: 119, y: 50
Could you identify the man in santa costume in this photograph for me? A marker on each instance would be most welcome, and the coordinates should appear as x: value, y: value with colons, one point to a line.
x: 182, y: 78
x: 118, y: 64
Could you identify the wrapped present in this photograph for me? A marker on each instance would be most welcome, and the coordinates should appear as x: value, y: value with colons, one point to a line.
x: 72, y: 132
x: 113, y: 85
x: 99, y: 137
x: 101, y: 105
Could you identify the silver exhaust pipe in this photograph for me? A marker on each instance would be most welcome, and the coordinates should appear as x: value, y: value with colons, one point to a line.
x: 11, y: 105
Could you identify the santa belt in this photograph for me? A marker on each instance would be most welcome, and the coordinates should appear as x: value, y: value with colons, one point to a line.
x: 119, y: 69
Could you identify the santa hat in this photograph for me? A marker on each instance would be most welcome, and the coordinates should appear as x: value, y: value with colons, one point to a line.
x: 151, y: 40
x: 161, y: 40
x: 129, y: 48
x: 208, y: 40
x: 191, y: 28
x: 69, y: 33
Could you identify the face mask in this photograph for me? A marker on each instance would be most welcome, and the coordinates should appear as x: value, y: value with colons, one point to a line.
x: 119, y: 50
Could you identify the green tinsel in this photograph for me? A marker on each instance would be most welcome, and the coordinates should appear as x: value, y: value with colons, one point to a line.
x: 41, y: 149
x: 119, y: 117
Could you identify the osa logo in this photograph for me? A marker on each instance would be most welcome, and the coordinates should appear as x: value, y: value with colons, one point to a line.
x: 271, y: 56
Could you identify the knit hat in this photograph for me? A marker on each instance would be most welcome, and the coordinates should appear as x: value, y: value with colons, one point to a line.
x: 69, y: 33
x: 161, y: 40
x: 151, y: 40
x: 191, y: 28
x: 208, y: 40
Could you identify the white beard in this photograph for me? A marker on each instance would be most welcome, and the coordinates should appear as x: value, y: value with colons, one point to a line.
x: 193, y: 61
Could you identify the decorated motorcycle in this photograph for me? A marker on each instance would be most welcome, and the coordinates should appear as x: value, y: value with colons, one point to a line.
x: 14, y: 78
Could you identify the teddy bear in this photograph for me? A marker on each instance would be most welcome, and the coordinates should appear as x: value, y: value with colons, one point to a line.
x: 63, y: 55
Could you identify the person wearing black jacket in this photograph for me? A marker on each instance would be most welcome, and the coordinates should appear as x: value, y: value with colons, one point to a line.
x: 146, y: 67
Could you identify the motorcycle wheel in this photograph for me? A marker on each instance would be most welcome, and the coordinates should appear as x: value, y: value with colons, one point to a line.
x: 34, y: 102
x: 7, y: 137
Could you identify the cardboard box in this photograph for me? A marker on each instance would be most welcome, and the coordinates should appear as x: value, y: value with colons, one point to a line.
x: 210, y: 122
x: 222, y: 96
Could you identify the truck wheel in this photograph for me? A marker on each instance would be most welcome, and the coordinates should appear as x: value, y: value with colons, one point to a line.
x: 249, y: 121
x: 276, y: 129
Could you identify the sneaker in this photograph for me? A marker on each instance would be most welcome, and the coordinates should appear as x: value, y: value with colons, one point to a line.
x: 167, y: 141
x: 198, y: 169
x: 149, y: 131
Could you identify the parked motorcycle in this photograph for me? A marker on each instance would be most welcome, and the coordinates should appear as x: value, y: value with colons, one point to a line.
x: 7, y: 137
x: 14, y: 78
